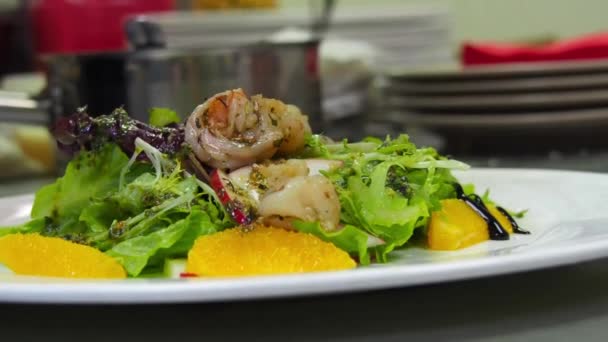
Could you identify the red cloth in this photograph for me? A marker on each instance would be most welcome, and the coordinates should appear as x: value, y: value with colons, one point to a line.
x: 593, y: 46
x: 69, y: 26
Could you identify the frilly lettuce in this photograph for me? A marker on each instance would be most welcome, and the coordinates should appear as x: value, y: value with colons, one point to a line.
x: 136, y: 212
x: 387, y: 189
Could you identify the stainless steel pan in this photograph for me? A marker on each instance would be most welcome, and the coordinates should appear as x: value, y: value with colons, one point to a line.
x: 182, y: 79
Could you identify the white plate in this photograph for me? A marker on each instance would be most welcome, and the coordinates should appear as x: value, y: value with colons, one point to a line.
x: 565, y: 218
x: 503, y: 71
x: 485, y: 103
x: 538, y: 121
x: 498, y: 85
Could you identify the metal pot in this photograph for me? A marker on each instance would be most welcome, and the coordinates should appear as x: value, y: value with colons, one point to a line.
x: 181, y: 79
x: 155, y: 76
x: 152, y: 75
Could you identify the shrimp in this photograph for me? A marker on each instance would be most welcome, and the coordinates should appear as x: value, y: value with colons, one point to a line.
x: 290, y: 120
x: 230, y: 130
x: 307, y: 198
x: 291, y: 189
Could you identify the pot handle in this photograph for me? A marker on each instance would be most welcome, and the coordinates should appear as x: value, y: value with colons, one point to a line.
x: 144, y: 34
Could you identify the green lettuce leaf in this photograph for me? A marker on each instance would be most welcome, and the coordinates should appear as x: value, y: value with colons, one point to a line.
x: 175, y: 240
x: 88, y: 176
x: 161, y: 117
x: 350, y: 238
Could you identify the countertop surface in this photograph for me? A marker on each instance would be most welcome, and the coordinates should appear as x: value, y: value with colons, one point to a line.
x: 558, y: 304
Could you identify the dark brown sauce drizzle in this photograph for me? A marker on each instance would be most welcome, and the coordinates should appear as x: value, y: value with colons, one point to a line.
x: 516, y: 228
x: 495, y: 229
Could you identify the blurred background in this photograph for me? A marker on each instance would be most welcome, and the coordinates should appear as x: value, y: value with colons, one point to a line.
x: 491, y: 82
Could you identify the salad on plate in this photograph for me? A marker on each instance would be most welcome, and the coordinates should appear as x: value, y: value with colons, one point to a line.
x: 240, y: 187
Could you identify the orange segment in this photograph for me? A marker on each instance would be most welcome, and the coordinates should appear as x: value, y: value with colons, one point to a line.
x: 457, y: 226
x: 263, y: 250
x: 33, y: 254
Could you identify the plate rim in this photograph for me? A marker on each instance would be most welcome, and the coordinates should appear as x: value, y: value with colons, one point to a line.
x: 492, y: 103
x: 531, y: 120
x: 503, y: 70
x: 221, y: 290
x: 535, y: 84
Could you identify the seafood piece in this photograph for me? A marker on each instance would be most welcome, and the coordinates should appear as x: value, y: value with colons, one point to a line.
x: 295, y: 127
x: 277, y: 193
x: 259, y: 179
x: 308, y: 198
x: 230, y: 130
x: 273, y: 177
x: 290, y: 121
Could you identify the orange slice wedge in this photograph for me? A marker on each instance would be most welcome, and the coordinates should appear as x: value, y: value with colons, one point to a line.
x: 263, y: 250
x: 33, y: 254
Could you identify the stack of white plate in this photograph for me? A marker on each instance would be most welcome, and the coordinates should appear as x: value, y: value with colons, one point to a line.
x: 403, y: 35
x: 561, y: 101
x: 515, y: 95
